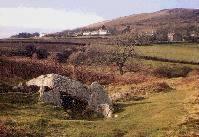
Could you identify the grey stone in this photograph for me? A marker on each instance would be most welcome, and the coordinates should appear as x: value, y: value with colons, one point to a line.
x: 52, y: 85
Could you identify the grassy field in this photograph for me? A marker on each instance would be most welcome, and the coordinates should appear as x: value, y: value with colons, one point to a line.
x: 143, y: 117
x: 185, y: 52
x: 158, y: 116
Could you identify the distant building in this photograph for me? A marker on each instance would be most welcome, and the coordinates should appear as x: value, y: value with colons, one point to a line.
x: 194, y: 37
x: 171, y: 36
x: 193, y: 34
x: 174, y: 37
x: 42, y: 34
x: 101, y: 32
x: 150, y: 33
x: 86, y: 33
x: 93, y: 33
x: 78, y: 34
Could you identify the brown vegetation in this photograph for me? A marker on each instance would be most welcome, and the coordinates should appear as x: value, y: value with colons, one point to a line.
x: 140, y: 91
x: 168, y: 19
x: 171, y: 72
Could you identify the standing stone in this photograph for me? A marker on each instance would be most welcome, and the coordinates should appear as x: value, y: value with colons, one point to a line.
x: 53, y: 85
x: 99, y: 100
x: 50, y: 96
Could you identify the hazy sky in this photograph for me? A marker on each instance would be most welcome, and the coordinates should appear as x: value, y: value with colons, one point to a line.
x: 56, y: 15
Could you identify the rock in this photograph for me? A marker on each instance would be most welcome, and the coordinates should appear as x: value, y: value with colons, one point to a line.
x: 99, y: 100
x: 50, y: 96
x: 52, y: 86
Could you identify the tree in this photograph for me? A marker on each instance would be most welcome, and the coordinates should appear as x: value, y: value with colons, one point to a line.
x: 26, y: 35
x: 30, y: 50
x: 125, y: 50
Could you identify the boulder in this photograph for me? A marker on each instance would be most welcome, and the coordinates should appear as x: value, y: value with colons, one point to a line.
x: 99, y: 100
x: 49, y: 96
x: 52, y: 86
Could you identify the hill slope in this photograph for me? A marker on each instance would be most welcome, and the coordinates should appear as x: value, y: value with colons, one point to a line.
x: 172, y: 18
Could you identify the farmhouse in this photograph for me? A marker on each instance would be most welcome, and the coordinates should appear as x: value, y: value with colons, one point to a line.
x: 100, y: 32
x: 42, y: 34
x: 93, y: 33
x: 103, y: 32
x: 174, y: 37
x: 87, y: 33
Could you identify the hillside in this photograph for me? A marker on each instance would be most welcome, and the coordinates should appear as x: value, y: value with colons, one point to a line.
x: 178, y: 20
x: 172, y: 18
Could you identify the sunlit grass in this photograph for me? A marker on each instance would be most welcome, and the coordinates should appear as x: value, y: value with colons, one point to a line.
x: 185, y: 52
x: 158, y: 115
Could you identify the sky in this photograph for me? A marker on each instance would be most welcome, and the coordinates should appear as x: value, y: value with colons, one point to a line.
x: 57, y: 15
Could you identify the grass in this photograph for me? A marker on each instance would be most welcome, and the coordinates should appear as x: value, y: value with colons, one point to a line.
x: 185, y: 52
x: 158, y: 116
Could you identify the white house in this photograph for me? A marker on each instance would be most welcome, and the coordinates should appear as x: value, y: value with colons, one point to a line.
x: 103, y: 32
x: 100, y: 32
x: 171, y: 36
x: 86, y: 33
x: 42, y: 35
x: 93, y: 33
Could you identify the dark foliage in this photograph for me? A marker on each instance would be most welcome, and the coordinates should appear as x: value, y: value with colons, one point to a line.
x: 63, y: 56
x: 172, y: 72
x: 42, y: 53
x: 26, y: 35
x: 30, y: 50
x: 5, y: 88
x: 28, y: 70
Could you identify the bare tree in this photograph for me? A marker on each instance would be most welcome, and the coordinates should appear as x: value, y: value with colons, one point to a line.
x: 125, y: 50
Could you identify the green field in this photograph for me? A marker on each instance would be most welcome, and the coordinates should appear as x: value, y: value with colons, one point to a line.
x: 185, y: 52
x: 157, y: 116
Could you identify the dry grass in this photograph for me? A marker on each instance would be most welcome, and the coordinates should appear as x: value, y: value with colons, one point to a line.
x: 137, y: 91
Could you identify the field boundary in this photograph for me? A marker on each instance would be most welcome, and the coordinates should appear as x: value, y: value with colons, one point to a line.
x: 35, y: 41
x: 167, y: 60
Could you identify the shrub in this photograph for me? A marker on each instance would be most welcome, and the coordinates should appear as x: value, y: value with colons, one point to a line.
x: 133, y: 67
x: 63, y: 56
x: 77, y: 58
x: 172, y: 72
x: 4, y: 131
x: 30, y: 69
x: 30, y: 50
x: 89, y: 76
x: 17, y: 53
x: 42, y: 53
x: 5, y: 88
